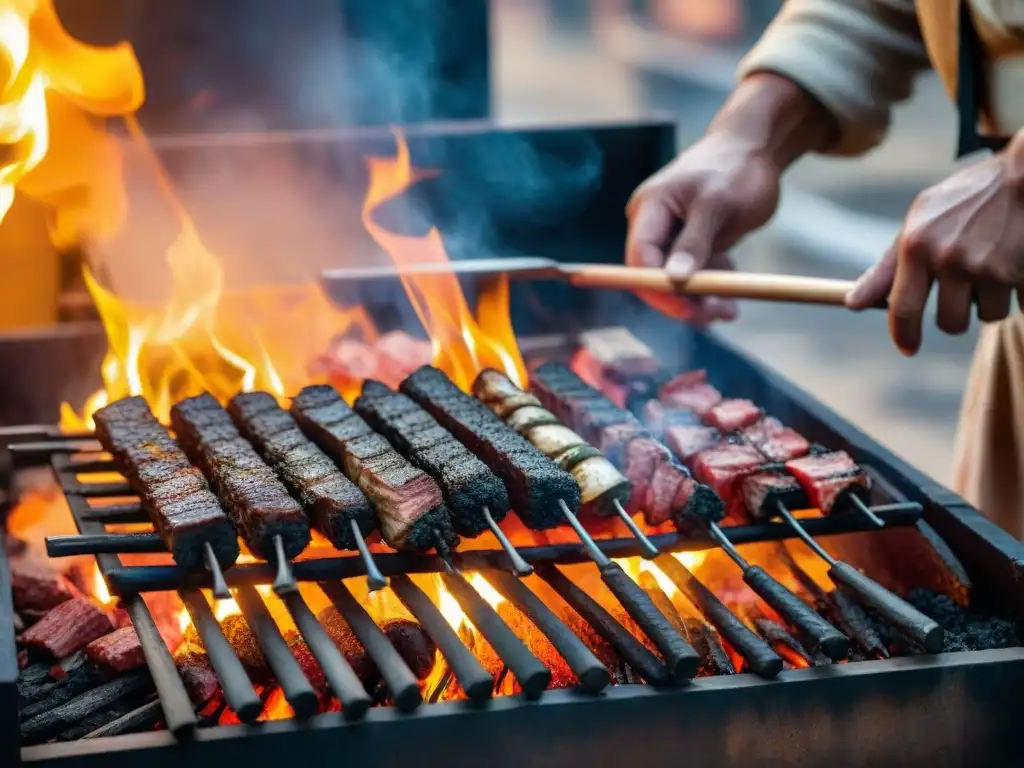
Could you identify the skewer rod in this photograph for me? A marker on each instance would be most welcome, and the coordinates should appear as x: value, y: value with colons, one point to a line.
x: 284, y: 580
x: 220, y: 586
x: 374, y: 578
x: 650, y: 551
x: 599, y: 557
x: 519, y: 566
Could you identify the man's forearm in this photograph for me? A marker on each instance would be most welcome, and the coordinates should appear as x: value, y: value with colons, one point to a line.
x: 777, y: 118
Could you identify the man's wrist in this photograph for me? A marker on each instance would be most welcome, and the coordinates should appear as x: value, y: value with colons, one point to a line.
x: 776, y: 118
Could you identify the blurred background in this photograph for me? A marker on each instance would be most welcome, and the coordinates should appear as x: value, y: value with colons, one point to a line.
x: 578, y: 59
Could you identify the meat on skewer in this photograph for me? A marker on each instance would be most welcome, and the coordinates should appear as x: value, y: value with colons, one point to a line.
x: 663, y: 488
x: 601, y: 484
x: 175, y: 496
x: 257, y: 502
x: 535, y: 486
x: 468, y: 485
x: 411, y: 511
x: 332, y: 501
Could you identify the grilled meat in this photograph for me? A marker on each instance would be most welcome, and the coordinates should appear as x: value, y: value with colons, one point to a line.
x: 411, y: 511
x: 732, y: 414
x: 176, y: 498
x: 776, y: 441
x: 467, y: 483
x: 257, y: 502
x: 330, y: 499
x: 723, y: 466
x: 600, y: 483
x: 829, y: 478
x: 533, y: 482
x: 690, y: 390
x: 662, y: 488
x: 762, y: 492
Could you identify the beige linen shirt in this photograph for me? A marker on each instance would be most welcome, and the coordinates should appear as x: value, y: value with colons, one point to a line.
x: 859, y: 57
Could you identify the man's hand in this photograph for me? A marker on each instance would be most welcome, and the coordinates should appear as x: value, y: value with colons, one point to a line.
x: 966, y: 234
x: 688, y: 215
x: 691, y: 212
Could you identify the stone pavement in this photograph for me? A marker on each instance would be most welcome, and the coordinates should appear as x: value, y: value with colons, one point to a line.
x: 844, y: 359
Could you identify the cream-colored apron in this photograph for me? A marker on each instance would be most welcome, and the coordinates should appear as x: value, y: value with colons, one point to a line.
x: 989, y: 455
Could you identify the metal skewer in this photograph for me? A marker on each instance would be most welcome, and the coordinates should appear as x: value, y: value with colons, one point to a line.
x: 865, y: 510
x: 924, y: 631
x: 520, y: 567
x: 220, y: 585
x: 650, y: 551
x: 374, y: 578
x: 284, y: 580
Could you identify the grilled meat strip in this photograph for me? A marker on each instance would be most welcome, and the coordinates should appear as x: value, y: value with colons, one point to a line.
x: 255, y: 499
x: 600, y: 483
x: 410, y: 508
x: 533, y: 482
x: 467, y: 483
x: 330, y: 499
x: 663, y: 488
x: 174, y: 494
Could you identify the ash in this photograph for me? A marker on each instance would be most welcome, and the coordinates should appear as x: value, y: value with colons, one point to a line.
x: 965, y: 631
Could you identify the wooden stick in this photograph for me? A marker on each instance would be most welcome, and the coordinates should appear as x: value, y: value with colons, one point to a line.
x: 727, y: 284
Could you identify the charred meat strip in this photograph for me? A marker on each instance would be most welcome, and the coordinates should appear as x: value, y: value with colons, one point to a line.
x: 663, y: 488
x: 411, y: 512
x: 829, y: 478
x: 601, y: 484
x: 257, y: 502
x: 330, y: 499
x: 467, y: 483
x: 175, y: 496
x: 534, y: 484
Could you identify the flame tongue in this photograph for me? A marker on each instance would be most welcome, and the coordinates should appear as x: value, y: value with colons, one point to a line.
x: 463, y: 344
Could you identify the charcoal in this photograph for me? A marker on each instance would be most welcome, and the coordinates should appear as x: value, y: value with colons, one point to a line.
x: 196, y: 673
x: 855, y: 623
x: 776, y: 635
x: 713, y: 658
x: 42, y: 687
x: 102, y: 718
x: 246, y: 647
x: 562, y: 675
x: 344, y: 638
x: 965, y: 630
x: 96, y: 700
x: 413, y: 645
x: 138, y: 720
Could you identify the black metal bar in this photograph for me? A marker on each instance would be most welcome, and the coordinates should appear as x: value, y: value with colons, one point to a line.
x: 40, y: 451
x: 401, y: 682
x: 468, y: 671
x: 629, y: 649
x: 238, y: 690
x: 110, y: 543
x: 823, y: 635
x: 177, y: 708
x: 97, y: 490
x: 531, y: 673
x: 759, y: 656
x: 153, y: 578
x: 680, y: 657
x: 117, y: 513
x: 592, y: 674
x: 339, y: 673
x: 297, y: 689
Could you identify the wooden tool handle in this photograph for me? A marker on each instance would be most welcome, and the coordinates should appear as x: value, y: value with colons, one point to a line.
x: 733, y: 285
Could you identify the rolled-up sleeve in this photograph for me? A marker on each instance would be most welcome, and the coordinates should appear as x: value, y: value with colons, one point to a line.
x: 857, y: 57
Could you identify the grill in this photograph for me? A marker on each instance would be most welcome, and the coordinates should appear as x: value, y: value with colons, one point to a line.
x: 946, y: 708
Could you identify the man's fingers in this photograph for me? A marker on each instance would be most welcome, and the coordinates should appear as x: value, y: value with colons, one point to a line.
x: 909, y: 294
x: 953, y: 314
x: 694, y: 247
x: 875, y: 284
x: 993, y: 302
x: 651, y: 227
x: 714, y: 308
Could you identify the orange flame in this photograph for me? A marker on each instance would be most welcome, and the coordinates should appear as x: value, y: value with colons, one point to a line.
x: 463, y: 344
x: 53, y: 90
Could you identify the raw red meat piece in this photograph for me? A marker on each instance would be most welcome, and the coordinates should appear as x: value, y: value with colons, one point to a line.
x: 36, y: 587
x: 775, y: 440
x: 684, y: 381
x: 69, y: 627
x: 659, y: 417
x: 119, y: 651
x: 700, y: 398
x: 827, y: 478
x: 723, y: 466
x: 761, y: 492
x: 643, y: 457
x: 347, y: 362
x: 687, y: 442
x: 732, y: 414
x: 399, y: 354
